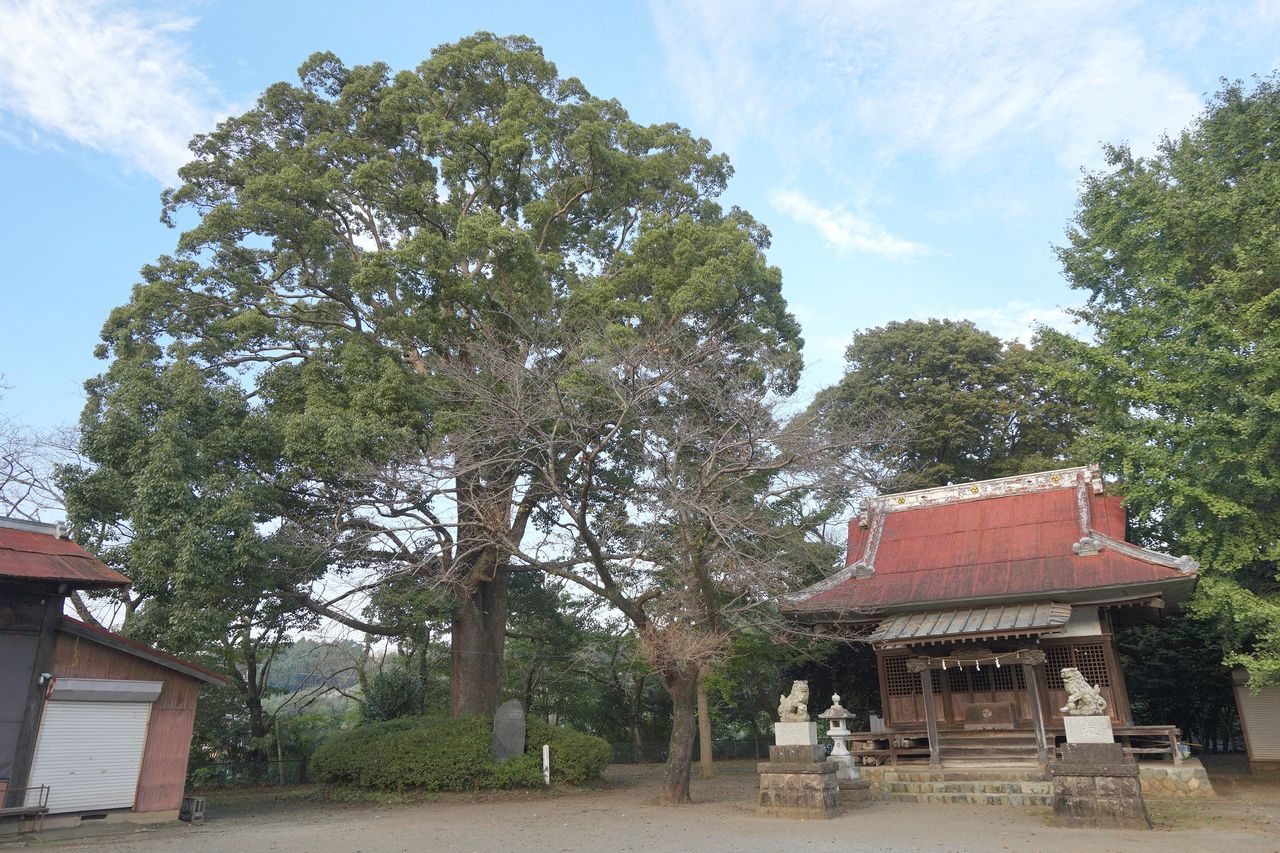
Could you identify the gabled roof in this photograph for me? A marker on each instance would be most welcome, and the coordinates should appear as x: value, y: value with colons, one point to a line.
x: 33, y: 551
x: 113, y: 640
x: 1051, y: 536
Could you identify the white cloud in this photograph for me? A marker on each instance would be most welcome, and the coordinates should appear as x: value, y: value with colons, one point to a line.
x: 115, y: 79
x: 842, y: 229
x: 965, y: 82
x: 1019, y: 320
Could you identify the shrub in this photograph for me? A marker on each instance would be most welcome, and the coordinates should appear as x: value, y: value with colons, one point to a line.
x: 434, y: 754
x: 518, y: 771
x: 442, y: 754
x: 576, y: 757
x: 394, y: 693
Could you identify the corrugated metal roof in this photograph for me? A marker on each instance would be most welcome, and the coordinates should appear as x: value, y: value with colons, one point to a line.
x: 131, y: 647
x: 995, y: 621
x: 29, y: 555
x: 1007, y: 548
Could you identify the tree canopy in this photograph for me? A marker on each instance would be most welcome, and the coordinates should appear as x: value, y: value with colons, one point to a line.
x: 292, y: 395
x: 1179, y: 256
x: 976, y: 407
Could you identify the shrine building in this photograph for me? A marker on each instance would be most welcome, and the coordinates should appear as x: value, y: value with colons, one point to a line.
x: 976, y: 596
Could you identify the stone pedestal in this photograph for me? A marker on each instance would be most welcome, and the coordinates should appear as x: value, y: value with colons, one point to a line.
x: 797, y: 781
x: 795, y: 734
x: 1094, y: 728
x: 800, y: 790
x: 1094, y: 786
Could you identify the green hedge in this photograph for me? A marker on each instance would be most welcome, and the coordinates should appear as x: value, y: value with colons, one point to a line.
x: 576, y: 757
x: 442, y: 754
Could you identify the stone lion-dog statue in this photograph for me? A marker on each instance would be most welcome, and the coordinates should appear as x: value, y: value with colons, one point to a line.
x: 794, y: 707
x: 1082, y: 700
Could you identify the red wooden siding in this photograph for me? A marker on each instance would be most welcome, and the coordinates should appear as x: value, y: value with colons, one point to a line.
x: 164, y: 760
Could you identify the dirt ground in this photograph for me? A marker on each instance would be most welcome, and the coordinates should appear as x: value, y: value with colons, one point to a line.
x: 621, y: 815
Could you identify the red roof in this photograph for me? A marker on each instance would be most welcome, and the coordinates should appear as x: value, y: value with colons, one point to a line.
x: 1017, y: 544
x: 124, y: 644
x: 30, y: 555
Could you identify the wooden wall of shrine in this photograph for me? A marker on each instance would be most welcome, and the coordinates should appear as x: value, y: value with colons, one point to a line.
x: 958, y: 686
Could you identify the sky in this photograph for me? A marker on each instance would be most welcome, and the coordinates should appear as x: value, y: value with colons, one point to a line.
x: 912, y: 160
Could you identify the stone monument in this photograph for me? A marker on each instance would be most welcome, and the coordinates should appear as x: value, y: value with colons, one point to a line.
x: 508, y: 731
x: 797, y: 781
x: 1094, y: 783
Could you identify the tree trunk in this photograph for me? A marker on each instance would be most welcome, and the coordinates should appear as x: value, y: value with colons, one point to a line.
x: 637, y: 703
x: 478, y: 639
x: 682, y: 685
x: 706, y: 761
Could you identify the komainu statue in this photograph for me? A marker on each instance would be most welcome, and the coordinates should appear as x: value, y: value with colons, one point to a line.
x: 794, y: 707
x: 1082, y: 700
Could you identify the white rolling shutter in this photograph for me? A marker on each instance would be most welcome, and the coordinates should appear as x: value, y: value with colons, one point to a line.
x: 1260, y: 713
x: 90, y: 753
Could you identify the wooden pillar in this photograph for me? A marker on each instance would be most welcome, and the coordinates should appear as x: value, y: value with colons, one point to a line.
x: 1030, y: 674
x: 930, y: 715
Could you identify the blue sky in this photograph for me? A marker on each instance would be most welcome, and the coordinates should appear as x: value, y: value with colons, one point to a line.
x: 912, y: 159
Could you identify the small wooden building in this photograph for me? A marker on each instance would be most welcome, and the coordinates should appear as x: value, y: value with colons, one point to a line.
x: 975, y: 597
x: 92, y: 725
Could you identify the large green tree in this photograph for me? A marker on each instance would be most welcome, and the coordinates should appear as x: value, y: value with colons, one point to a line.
x: 352, y: 237
x: 1179, y: 256
x: 976, y: 407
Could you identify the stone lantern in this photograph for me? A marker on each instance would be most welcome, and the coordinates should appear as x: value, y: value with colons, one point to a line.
x: 839, y: 733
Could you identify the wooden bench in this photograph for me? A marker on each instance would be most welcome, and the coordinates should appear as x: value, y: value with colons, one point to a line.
x: 37, y: 810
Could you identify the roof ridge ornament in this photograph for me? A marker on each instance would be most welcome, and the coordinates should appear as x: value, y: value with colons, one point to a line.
x: 1089, y: 476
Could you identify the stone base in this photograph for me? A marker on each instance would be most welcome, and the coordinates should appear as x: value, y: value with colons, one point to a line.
x: 1166, y: 779
x: 1094, y: 786
x: 796, y: 754
x: 846, y: 770
x: 1095, y: 728
x: 795, y: 734
x: 805, y: 791
x: 857, y: 793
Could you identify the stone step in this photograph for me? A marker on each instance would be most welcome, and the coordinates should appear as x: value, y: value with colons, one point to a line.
x: 989, y: 787
x: 1003, y: 774
x: 974, y: 799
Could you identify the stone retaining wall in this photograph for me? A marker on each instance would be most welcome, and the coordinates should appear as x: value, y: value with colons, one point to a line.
x: 1165, y: 780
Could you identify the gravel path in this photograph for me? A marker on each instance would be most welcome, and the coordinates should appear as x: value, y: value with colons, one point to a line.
x: 623, y: 817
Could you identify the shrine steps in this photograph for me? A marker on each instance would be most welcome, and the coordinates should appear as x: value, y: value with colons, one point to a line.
x: 994, y: 786
x: 985, y: 748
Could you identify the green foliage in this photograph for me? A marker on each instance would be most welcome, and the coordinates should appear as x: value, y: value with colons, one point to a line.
x: 518, y: 771
x: 394, y: 692
x: 576, y: 757
x: 976, y: 408
x: 1174, y: 673
x: 1179, y: 255
x: 441, y: 754
x: 435, y: 754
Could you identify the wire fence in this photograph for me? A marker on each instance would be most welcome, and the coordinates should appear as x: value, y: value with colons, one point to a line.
x: 655, y: 751
x: 250, y: 774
